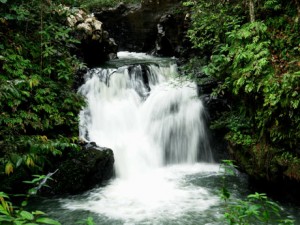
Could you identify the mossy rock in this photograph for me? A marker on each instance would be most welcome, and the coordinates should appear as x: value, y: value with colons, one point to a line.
x: 90, y: 167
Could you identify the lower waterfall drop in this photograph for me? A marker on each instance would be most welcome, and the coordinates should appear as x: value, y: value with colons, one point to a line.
x: 154, y: 123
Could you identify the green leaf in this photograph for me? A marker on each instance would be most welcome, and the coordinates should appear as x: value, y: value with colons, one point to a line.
x: 90, y: 221
x: 19, y: 162
x: 26, y: 215
x: 24, y: 203
x: 48, y: 221
x: 4, y: 218
x: 4, y: 210
x: 4, y: 195
x: 3, y: 1
x: 38, y: 213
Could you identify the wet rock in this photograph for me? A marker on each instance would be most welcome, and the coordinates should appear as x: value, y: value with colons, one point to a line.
x: 163, y: 45
x: 80, y: 171
x: 215, y: 106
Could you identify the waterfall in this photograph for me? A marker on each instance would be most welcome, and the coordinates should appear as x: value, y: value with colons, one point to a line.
x: 146, y: 114
x: 154, y: 123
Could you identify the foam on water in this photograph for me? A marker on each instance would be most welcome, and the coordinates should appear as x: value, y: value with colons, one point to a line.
x: 154, y: 123
x: 151, y: 198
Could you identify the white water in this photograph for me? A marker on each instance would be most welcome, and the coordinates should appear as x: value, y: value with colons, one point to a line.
x: 157, y: 133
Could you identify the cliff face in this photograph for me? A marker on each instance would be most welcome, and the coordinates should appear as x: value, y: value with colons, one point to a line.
x: 137, y: 27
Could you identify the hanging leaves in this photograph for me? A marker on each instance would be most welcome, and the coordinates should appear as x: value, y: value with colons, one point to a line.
x: 9, y: 168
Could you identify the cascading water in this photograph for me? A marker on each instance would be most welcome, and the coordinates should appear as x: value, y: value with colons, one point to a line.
x: 154, y: 122
x: 155, y: 125
x: 145, y: 115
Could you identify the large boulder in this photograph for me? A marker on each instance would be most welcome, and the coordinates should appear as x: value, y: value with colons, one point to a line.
x: 82, y: 170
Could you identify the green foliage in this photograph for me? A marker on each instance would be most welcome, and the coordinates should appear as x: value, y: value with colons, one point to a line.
x: 257, y: 67
x: 13, y: 215
x: 16, y: 215
x: 210, y: 21
x: 38, y: 104
x: 257, y: 208
x: 291, y: 162
x: 227, y: 168
x: 88, y: 221
x: 35, y: 151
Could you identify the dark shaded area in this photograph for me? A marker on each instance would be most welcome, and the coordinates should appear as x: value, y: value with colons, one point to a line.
x: 284, y: 190
x: 135, y: 27
x: 77, y: 171
x: 95, y: 52
x: 82, y: 171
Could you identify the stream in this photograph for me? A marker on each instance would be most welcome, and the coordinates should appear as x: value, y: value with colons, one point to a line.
x: 154, y: 122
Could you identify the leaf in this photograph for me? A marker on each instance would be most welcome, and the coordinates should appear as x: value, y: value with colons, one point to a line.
x: 3, y: 1
x: 30, y: 162
x: 38, y: 213
x: 90, y: 221
x: 48, y: 221
x: 24, y: 203
x: 4, y: 210
x: 16, y: 222
x: 32, y: 191
x: 9, y: 168
x: 4, y: 218
x: 19, y: 162
x: 2, y: 194
x: 26, y: 215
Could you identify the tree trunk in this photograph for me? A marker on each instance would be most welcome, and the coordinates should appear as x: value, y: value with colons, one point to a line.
x: 251, y: 11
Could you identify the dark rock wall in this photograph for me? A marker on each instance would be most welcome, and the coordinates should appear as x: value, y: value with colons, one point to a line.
x: 134, y: 27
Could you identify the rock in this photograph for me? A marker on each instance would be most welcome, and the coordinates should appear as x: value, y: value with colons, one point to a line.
x: 97, y: 25
x: 163, y: 46
x: 79, y: 78
x: 86, y: 28
x: 73, y: 172
x: 81, y: 171
x: 215, y: 106
x: 167, y: 37
x: 95, y: 45
x: 135, y: 27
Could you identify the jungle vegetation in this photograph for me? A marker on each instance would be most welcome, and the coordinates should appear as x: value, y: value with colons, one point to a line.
x: 252, y: 49
x: 38, y: 104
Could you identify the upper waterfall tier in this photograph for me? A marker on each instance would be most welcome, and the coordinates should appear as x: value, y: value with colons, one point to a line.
x: 145, y: 113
